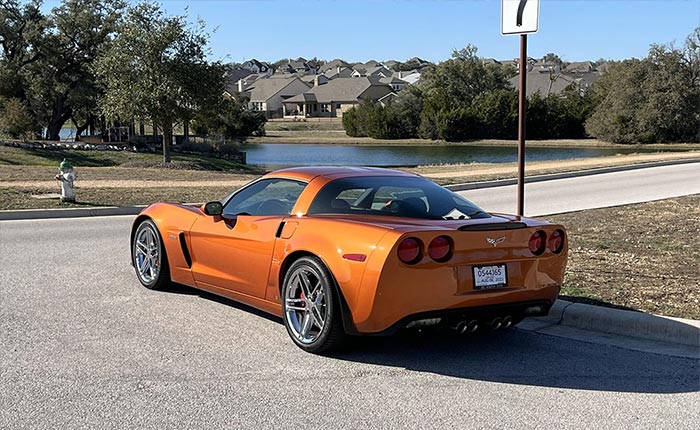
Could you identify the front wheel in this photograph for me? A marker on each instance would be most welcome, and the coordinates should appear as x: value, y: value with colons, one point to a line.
x: 311, y: 306
x: 149, y: 259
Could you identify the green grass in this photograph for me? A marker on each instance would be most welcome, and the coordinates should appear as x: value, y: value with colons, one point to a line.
x: 312, y: 125
x: 93, y: 158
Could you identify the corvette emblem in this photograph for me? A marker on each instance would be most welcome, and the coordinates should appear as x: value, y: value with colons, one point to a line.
x: 495, y: 242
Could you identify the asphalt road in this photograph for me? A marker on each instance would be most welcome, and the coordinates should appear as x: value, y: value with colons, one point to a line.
x: 83, y: 345
x: 595, y: 191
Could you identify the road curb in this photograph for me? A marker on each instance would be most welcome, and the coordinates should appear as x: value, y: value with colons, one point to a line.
x: 632, y: 324
x: 564, y: 175
x: 26, y: 214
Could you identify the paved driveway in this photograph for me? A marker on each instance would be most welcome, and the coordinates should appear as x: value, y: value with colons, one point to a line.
x: 83, y: 345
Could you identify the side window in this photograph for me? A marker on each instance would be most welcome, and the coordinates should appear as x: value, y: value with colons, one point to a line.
x: 265, y: 197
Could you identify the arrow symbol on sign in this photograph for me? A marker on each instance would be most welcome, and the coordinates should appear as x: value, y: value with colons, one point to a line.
x: 521, y: 9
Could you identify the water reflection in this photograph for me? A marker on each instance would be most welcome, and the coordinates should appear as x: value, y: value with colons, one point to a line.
x: 278, y: 155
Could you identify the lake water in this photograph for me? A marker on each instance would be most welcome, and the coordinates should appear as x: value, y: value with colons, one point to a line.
x: 278, y: 155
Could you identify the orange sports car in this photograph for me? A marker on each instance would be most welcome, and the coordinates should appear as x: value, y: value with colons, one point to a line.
x: 338, y: 251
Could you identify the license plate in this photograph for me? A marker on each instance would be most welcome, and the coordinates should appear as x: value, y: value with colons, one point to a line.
x: 487, y: 277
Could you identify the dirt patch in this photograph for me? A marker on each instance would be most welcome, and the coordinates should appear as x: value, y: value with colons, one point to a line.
x: 643, y: 256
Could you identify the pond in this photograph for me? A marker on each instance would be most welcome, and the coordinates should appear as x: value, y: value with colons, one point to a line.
x: 277, y: 155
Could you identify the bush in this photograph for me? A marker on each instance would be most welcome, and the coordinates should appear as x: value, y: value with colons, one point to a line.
x: 656, y: 99
x: 232, y: 119
x: 15, y: 119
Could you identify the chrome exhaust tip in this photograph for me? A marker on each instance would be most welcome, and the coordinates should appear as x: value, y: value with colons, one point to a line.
x: 460, y: 327
x: 496, y: 323
x: 472, y: 326
x: 507, y: 321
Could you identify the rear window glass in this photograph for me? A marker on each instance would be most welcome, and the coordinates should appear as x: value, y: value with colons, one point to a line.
x: 407, y: 197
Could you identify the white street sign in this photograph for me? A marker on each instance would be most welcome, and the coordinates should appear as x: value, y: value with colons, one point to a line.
x: 519, y: 16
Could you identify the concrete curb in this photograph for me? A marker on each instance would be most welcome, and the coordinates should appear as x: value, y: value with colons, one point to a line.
x: 621, y: 322
x: 564, y: 175
x: 26, y: 214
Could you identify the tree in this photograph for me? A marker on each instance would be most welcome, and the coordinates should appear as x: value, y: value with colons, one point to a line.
x: 656, y: 99
x: 22, y: 29
x: 453, y: 85
x: 47, y: 60
x: 15, y: 119
x: 231, y: 118
x: 156, y: 69
x: 552, y: 58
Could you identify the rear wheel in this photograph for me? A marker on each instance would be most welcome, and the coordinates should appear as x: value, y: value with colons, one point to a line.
x: 149, y: 258
x: 311, y: 306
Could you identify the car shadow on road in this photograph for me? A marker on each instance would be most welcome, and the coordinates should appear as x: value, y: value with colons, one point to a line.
x: 512, y: 356
x: 519, y: 357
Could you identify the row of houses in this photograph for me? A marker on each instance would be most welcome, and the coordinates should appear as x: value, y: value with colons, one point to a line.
x: 308, y: 89
x: 301, y: 88
x: 292, y: 96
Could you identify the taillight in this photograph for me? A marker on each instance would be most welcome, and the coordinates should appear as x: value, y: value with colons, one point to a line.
x: 556, y: 241
x: 410, y: 250
x: 440, y: 249
x: 537, y: 242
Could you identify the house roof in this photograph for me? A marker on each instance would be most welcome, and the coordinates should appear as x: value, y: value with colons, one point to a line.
x: 339, y: 90
x: 539, y: 83
x: 392, y: 80
x: 580, y: 67
x: 333, y: 65
x: 333, y: 73
x: 264, y: 89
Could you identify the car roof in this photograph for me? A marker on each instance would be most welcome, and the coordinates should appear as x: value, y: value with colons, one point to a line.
x: 333, y: 172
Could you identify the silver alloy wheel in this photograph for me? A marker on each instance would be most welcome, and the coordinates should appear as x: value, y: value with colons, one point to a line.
x: 147, y: 254
x: 305, y: 305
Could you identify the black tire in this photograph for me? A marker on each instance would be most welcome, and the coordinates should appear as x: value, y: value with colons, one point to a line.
x: 302, y: 303
x: 147, y: 240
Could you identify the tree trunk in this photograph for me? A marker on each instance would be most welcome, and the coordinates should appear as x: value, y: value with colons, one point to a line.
x: 167, y: 140
x: 186, y: 129
x: 80, y: 128
x: 59, y: 115
x: 142, y: 129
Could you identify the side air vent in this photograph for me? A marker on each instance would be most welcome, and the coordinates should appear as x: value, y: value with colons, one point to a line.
x: 493, y: 226
x: 185, y: 250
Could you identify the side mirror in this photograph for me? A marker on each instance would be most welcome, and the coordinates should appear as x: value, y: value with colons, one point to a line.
x: 213, y: 208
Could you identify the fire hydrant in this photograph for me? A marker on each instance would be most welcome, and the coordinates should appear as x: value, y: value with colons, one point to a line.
x: 67, y: 178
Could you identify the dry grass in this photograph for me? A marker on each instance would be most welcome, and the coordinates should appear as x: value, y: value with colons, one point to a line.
x: 643, y: 256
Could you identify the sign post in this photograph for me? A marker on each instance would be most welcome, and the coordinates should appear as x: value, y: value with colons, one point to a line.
x: 520, y: 17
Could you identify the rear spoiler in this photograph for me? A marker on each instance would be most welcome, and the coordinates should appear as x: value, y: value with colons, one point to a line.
x: 493, y: 226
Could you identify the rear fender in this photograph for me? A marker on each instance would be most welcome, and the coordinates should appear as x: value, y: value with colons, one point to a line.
x: 329, y: 240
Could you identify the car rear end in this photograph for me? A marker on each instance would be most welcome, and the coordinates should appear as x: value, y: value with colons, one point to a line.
x: 463, y: 273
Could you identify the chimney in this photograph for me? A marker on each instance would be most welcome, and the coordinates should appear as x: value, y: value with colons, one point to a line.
x: 316, y: 81
x: 240, y: 85
x: 337, y: 69
x: 400, y: 74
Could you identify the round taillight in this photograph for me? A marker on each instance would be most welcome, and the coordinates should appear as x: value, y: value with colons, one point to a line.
x: 410, y: 250
x: 556, y: 241
x: 537, y: 242
x: 440, y: 249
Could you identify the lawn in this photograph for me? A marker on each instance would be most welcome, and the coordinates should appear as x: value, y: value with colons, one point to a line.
x: 644, y: 256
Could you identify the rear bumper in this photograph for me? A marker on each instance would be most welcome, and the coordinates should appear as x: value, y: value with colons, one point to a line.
x: 479, y: 313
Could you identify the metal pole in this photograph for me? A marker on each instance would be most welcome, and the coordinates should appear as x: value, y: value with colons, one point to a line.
x: 522, y: 103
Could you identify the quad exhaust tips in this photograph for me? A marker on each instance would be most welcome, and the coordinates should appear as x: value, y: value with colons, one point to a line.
x: 463, y: 327
x: 507, y: 321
